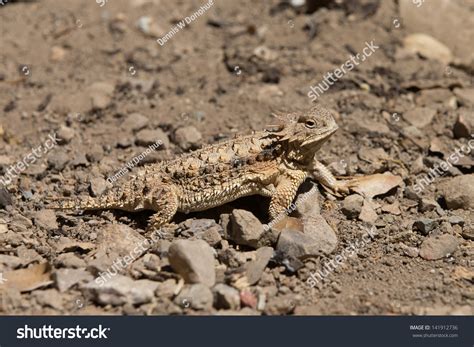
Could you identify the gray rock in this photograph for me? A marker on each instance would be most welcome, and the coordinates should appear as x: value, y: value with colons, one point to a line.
x: 307, y: 204
x: 49, y: 298
x: 456, y: 220
x: 428, y: 205
x: 368, y: 213
x: 425, y: 225
x: 245, y: 229
x: 412, y: 252
x: 419, y: 116
x: 69, y: 260
x: 280, y: 305
x: 100, y: 94
x: 197, y: 296
x: 147, y: 137
x: 428, y: 47
x: 135, y: 121
x: 318, y: 237
x: 117, y: 241
x: 98, y: 186
x: 468, y: 233
x: 5, y: 198
x: 204, y: 229
x: 352, y: 205
x: 188, y: 137
x: 58, y: 159
x: 120, y: 290
x: 465, y: 95
x: 65, y: 134
x: 254, y: 268
x: 167, y: 289
x: 193, y: 260
x: 458, y: 192
x: 438, y: 247
x: 10, y: 261
x: 226, y: 297
x: 463, y: 125
x: 66, y: 278
x: 46, y: 219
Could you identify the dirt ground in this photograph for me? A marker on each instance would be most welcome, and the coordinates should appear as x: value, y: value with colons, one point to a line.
x: 94, y: 75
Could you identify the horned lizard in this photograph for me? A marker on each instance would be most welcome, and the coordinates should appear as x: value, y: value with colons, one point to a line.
x: 272, y: 163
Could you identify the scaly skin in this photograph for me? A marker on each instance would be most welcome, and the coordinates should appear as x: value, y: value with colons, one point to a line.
x: 271, y: 163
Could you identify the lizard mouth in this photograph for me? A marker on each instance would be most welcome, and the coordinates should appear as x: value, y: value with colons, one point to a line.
x: 318, y: 139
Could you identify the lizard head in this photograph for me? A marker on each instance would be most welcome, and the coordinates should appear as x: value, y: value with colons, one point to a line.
x: 305, y: 132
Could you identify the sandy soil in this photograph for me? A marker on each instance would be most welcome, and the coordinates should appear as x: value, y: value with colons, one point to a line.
x: 96, y: 77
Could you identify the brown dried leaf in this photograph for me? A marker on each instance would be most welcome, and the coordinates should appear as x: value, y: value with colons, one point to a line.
x: 373, y: 185
x: 26, y: 280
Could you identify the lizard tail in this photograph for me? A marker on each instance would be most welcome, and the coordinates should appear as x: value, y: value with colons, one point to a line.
x: 83, y: 203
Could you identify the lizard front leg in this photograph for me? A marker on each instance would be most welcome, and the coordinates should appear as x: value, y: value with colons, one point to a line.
x: 285, y: 192
x: 164, y: 201
x: 322, y: 174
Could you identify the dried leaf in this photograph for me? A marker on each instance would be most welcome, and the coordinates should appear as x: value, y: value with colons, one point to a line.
x: 373, y: 185
x: 26, y: 280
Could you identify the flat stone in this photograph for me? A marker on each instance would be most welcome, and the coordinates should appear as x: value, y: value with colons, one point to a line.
x: 49, y: 298
x: 121, y: 290
x: 392, y: 208
x: 419, y: 116
x: 135, y: 121
x: 411, y: 252
x: 456, y: 220
x: 465, y: 95
x: 254, y: 269
x: 117, y: 241
x: 193, y: 260
x: 428, y: 47
x: 66, y: 278
x: 438, y: 247
x: 147, y: 137
x: 69, y: 260
x: 46, y: 219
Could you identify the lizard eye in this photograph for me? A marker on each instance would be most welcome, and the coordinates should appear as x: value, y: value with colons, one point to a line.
x: 310, y: 123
